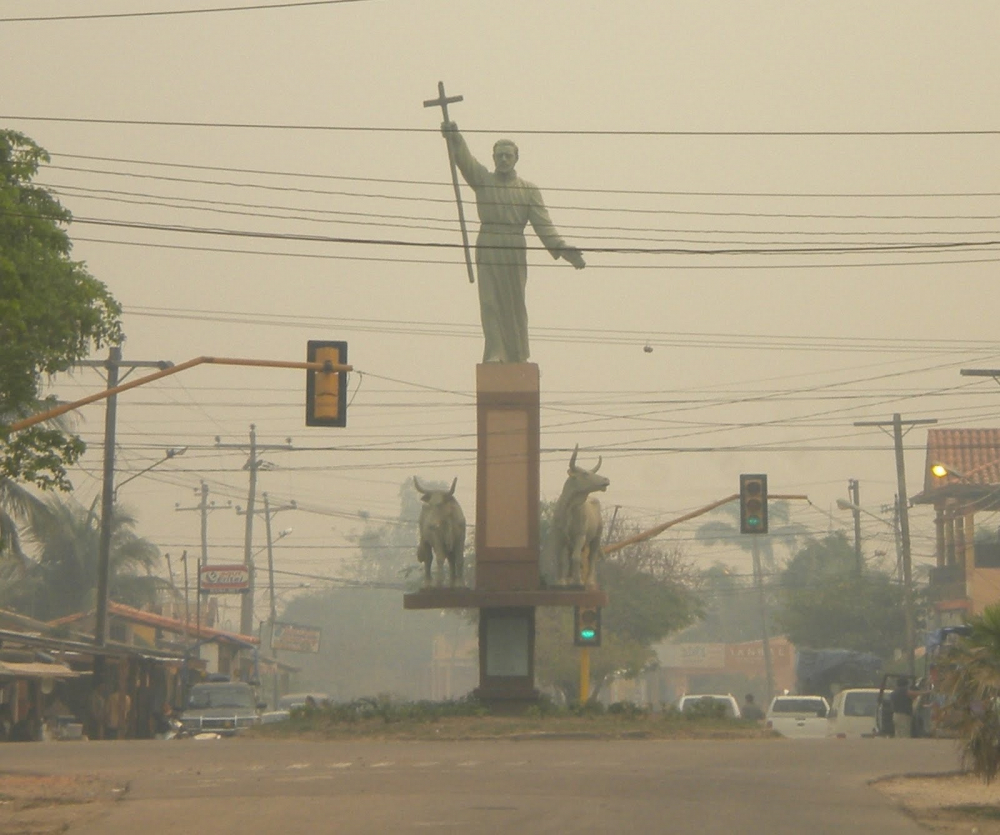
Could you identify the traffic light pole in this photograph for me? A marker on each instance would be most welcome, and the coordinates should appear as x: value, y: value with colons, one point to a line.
x: 326, y: 367
x: 584, y: 675
x: 694, y: 514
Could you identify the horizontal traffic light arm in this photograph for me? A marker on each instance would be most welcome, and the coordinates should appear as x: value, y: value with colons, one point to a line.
x: 173, y: 369
x: 701, y: 511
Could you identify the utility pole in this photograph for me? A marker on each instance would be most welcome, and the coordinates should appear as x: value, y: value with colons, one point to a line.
x: 187, y: 596
x: 268, y: 513
x: 758, y: 581
x: 904, y: 527
x: 113, y: 363
x: 854, y: 492
x: 204, y: 506
x: 253, y: 464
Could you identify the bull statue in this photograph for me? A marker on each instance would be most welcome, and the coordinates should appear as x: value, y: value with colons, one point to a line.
x: 442, y: 533
x: 575, y: 535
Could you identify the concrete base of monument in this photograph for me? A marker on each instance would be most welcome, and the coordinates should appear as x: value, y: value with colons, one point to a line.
x: 507, y: 701
x: 465, y: 598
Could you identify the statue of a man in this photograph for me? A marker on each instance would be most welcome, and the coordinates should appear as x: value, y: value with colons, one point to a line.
x: 505, y: 203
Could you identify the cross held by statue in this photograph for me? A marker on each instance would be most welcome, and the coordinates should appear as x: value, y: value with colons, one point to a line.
x: 443, y: 101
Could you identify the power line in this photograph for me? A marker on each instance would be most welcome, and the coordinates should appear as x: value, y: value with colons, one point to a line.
x: 178, y: 12
x: 526, y: 131
x: 442, y: 184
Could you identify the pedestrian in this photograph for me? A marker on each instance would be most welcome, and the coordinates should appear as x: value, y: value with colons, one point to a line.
x: 901, y: 701
x: 95, y: 720
x: 6, y: 721
x: 506, y: 204
x: 751, y: 710
x: 118, y: 707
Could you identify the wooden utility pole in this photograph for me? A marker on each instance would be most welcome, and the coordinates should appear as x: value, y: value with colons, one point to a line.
x: 854, y: 491
x: 904, y: 527
x: 113, y: 364
x: 765, y: 639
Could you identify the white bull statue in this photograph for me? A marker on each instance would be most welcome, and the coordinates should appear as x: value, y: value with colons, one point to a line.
x: 442, y: 533
x: 575, y: 535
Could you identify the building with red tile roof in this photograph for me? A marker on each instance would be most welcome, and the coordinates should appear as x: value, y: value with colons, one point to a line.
x: 961, y: 480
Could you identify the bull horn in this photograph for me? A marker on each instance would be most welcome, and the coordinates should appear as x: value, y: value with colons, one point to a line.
x: 572, y: 459
x: 453, y: 483
x: 599, y: 459
x: 420, y: 489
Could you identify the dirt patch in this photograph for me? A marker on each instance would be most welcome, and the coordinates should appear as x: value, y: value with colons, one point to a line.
x: 947, y: 802
x: 35, y: 804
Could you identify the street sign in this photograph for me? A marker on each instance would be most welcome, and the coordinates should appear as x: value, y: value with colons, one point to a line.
x: 225, y: 579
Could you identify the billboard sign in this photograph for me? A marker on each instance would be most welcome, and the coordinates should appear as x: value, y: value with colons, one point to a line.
x: 225, y: 579
x: 294, y: 637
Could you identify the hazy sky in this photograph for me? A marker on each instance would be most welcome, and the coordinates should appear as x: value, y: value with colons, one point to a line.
x: 796, y: 206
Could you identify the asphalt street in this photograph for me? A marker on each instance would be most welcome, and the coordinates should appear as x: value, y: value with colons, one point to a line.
x: 245, y: 787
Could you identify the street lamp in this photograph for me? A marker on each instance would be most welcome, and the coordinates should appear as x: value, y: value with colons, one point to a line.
x: 939, y: 470
x: 168, y: 454
x: 843, y: 504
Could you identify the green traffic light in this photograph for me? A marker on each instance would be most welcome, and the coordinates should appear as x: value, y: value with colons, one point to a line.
x: 587, y: 634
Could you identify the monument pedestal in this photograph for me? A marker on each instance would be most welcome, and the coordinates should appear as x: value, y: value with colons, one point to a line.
x: 508, y: 579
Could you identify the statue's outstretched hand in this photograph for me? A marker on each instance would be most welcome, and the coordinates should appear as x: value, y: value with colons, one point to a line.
x: 448, y: 127
x: 574, y: 256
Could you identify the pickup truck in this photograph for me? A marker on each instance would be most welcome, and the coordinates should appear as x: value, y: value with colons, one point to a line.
x: 798, y: 717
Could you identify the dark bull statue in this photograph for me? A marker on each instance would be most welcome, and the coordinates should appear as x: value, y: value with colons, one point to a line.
x: 442, y: 533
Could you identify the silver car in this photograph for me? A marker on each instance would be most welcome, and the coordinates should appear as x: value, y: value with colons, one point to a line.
x: 222, y: 707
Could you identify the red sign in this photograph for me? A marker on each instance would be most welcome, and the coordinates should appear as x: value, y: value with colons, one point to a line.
x: 225, y: 579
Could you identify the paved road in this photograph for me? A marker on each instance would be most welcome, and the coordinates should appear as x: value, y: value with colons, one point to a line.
x: 245, y: 787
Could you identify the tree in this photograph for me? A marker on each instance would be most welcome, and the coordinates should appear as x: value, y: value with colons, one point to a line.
x: 52, y: 313
x: 17, y: 506
x: 781, y: 530
x: 651, y: 592
x: 971, y: 677
x: 732, y: 608
x: 827, y: 603
x: 63, y: 578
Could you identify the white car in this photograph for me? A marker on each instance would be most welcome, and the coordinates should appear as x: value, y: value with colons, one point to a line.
x: 852, y: 713
x: 705, y: 701
x: 798, y: 717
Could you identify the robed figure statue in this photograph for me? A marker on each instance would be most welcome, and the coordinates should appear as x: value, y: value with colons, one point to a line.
x: 506, y: 204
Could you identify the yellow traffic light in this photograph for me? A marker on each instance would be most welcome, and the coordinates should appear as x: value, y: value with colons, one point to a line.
x: 326, y: 390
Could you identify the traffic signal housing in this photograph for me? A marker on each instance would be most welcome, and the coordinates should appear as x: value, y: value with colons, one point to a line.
x: 326, y: 391
x: 587, y: 626
x: 753, y: 503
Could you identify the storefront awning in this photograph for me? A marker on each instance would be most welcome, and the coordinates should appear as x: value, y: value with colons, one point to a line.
x: 35, y: 669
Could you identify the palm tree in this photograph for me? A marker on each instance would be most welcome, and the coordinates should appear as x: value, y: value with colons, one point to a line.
x: 62, y: 580
x: 780, y: 530
x: 971, y: 677
x: 17, y: 506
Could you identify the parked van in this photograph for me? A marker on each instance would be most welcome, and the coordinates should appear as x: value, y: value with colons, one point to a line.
x: 853, y: 713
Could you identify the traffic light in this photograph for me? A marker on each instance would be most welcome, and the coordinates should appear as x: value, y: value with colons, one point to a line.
x: 587, y: 626
x: 326, y: 391
x: 753, y: 503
